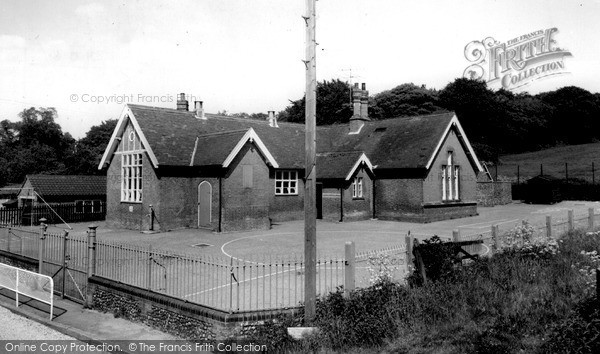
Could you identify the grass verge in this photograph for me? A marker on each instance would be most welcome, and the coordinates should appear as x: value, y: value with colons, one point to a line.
x: 535, y: 298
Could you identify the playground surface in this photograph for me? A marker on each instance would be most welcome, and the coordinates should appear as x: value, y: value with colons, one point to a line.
x: 286, y: 238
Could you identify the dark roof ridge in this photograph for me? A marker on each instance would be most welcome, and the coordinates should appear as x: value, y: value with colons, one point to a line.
x: 211, y: 115
x: 226, y: 132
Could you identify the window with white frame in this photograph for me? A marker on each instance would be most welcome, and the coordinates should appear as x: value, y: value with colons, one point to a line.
x: 286, y: 182
x: 450, y: 179
x: 131, y: 178
x: 357, y: 187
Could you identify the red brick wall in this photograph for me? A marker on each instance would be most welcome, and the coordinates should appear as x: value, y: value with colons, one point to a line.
x: 359, y: 208
x: 286, y: 207
x: 127, y: 215
x: 246, y: 208
x: 331, y: 203
x: 432, y: 186
x: 178, y: 206
x: 393, y: 196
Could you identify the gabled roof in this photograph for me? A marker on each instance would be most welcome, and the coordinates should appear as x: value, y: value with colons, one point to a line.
x: 177, y: 138
x: 173, y: 137
x: 59, y: 185
x: 408, y: 142
x: 341, y: 165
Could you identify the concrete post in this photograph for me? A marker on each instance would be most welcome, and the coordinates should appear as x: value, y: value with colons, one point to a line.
x: 91, y: 266
x: 496, y: 238
x: 571, y: 223
x: 350, y: 271
x: 409, y: 251
x: 591, y: 219
x: 41, y: 247
x: 548, y: 226
x: 455, y: 236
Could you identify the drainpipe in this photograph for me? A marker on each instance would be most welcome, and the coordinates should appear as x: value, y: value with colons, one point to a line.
x: 219, y: 229
x: 341, y: 204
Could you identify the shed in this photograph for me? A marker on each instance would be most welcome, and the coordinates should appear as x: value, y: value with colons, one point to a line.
x: 543, y: 189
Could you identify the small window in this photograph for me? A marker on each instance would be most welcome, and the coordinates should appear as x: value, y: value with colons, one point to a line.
x: 248, y: 176
x: 79, y: 206
x: 286, y: 182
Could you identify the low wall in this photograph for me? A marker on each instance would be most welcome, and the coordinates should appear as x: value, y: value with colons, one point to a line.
x: 433, y: 212
x: 172, y: 315
x: 494, y: 193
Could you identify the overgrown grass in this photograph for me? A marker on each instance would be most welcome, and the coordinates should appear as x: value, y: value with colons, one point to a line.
x: 523, y: 300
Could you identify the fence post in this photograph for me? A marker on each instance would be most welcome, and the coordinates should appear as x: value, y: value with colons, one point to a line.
x: 591, y: 219
x: 64, y: 257
x: 409, y: 248
x: 571, y: 224
x: 149, y: 269
x: 91, y: 266
x: 350, y: 265
x: 43, y: 228
x: 496, y: 238
x: 548, y: 226
x: 455, y: 236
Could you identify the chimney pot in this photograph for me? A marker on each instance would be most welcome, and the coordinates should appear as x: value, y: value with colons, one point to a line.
x: 356, y: 85
x: 272, y: 119
x: 182, y: 103
x: 364, y: 86
x: 199, y: 110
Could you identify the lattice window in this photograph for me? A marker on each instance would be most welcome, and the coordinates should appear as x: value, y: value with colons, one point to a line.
x: 286, y: 182
x: 131, y: 178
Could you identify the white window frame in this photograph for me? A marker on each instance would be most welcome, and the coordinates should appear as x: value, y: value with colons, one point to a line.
x: 286, y: 182
x: 131, y: 177
x: 357, y: 187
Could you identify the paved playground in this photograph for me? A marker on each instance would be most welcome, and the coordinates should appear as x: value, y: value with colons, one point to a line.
x: 286, y: 238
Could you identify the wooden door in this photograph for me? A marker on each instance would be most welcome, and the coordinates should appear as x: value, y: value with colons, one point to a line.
x: 204, y: 204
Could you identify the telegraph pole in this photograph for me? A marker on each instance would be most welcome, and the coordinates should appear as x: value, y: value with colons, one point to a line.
x: 310, y: 210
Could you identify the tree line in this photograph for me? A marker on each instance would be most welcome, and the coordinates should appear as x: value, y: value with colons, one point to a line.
x: 496, y: 122
x: 37, y: 144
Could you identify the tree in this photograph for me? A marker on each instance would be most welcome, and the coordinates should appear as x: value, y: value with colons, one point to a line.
x: 333, y: 104
x: 89, y: 149
x: 35, y: 144
x: 404, y: 100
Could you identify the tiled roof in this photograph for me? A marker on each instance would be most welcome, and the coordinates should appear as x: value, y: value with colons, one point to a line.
x: 10, y: 191
x: 336, y: 165
x: 172, y: 135
x: 407, y: 142
x: 47, y: 185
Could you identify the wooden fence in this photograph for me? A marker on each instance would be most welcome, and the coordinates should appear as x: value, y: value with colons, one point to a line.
x: 68, y: 212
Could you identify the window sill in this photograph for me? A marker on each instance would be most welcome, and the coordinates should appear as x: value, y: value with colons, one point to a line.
x: 286, y: 195
x: 358, y: 198
x: 129, y: 202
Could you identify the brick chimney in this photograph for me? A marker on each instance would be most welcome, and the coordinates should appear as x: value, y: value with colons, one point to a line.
x: 360, y: 104
x: 182, y: 103
x: 199, y: 110
x: 272, y: 119
x: 364, y: 103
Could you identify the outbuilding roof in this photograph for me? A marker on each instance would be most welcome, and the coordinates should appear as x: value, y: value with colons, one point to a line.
x: 341, y: 165
x: 50, y: 185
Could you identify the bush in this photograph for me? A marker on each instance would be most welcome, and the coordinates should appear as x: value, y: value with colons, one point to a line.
x: 578, y: 333
x: 439, y: 259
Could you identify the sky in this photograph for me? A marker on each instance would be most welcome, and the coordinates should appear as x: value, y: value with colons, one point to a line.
x: 88, y: 58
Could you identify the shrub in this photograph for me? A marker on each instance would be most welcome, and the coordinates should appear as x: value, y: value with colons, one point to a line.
x: 438, y: 257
